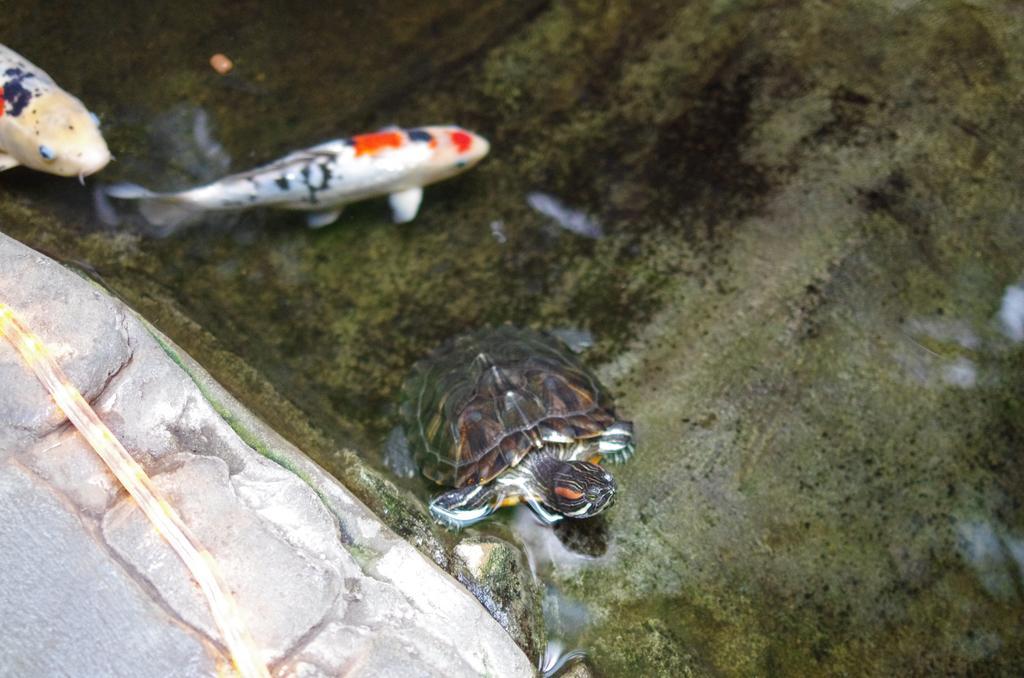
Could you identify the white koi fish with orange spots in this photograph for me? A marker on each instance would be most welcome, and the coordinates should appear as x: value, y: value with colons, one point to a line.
x: 321, y: 180
x: 42, y: 126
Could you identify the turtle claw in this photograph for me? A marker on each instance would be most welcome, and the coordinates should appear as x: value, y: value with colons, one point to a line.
x: 398, y: 455
x: 616, y: 443
x: 465, y: 506
x: 457, y: 520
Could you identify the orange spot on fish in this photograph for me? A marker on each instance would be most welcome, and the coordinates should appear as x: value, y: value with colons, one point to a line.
x: 462, y: 141
x: 370, y: 144
x: 1, y: 101
x: 568, y: 493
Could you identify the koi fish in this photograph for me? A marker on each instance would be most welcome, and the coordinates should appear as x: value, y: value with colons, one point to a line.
x: 42, y: 126
x: 321, y: 180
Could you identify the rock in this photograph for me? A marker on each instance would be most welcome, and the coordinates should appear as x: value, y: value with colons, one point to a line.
x: 475, y: 556
x: 257, y: 551
x: 493, y: 569
x: 577, y: 670
x: 27, y: 414
x: 324, y: 586
x: 829, y: 407
x: 496, y: 572
x: 66, y: 603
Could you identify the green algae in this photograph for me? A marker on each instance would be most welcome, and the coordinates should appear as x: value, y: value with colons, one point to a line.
x: 812, y: 212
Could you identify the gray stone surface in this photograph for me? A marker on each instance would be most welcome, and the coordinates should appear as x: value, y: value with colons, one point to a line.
x: 26, y: 414
x: 86, y: 585
x: 67, y: 607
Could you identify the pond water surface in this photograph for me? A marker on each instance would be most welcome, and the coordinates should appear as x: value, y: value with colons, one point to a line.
x: 794, y: 234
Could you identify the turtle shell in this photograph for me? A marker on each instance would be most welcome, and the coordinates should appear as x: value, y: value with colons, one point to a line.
x: 480, y: 403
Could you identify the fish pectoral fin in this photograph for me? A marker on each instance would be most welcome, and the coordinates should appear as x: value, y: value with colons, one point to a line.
x: 7, y: 161
x: 321, y: 219
x: 405, y: 204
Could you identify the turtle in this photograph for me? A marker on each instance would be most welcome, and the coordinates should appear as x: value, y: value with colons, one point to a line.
x: 504, y: 415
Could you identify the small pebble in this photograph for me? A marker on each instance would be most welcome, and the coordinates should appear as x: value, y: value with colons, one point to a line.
x: 221, y: 63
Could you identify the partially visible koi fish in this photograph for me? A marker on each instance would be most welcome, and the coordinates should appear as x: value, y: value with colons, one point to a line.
x: 321, y: 180
x: 42, y: 126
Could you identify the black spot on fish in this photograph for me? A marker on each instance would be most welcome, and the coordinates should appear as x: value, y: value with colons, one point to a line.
x: 305, y: 180
x: 420, y: 135
x: 282, y: 182
x: 325, y: 175
x: 16, y: 96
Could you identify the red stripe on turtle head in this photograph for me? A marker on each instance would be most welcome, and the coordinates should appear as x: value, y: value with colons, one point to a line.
x: 567, y: 492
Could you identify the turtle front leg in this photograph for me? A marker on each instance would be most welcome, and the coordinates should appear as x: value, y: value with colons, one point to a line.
x: 545, y: 516
x: 465, y: 506
x: 616, y: 444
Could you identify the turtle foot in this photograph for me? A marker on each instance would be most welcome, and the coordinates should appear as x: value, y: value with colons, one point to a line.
x: 462, y: 507
x: 616, y: 444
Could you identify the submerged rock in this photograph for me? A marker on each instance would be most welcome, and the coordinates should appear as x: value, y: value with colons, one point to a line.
x: 496, y: 572
x: 829, y: 410
x: 85, y: 582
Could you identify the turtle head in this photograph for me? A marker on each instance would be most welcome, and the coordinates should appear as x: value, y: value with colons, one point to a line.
x: 580, y: 489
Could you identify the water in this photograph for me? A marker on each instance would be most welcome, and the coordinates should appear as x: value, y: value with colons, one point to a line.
x: 803, y: 290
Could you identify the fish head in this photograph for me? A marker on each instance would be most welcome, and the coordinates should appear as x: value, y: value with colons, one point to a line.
x: 455, y: 150
x: 58, y: 135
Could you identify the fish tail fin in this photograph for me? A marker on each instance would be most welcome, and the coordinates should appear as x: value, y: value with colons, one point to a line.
x: 165, y: 210
x: 128, y: 192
